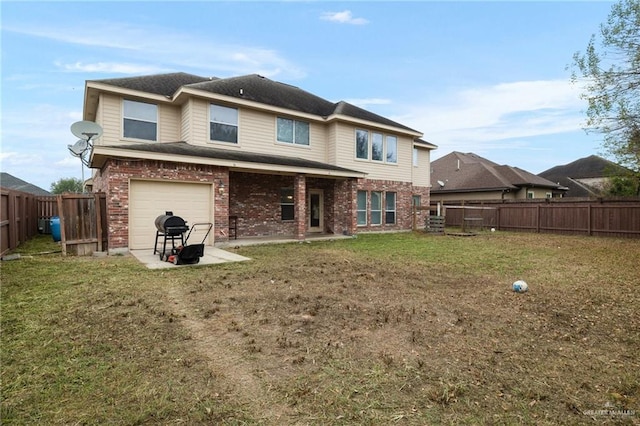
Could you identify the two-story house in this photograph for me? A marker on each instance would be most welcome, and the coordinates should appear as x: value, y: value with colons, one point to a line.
x: 272, y: 158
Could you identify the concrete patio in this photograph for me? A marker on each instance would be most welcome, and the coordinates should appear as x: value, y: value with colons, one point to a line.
x: 212, y: 256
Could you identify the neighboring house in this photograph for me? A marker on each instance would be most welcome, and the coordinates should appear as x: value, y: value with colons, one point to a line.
x: 276, y: 159
x: 586, y: 177
x: 11, y: 182
x: 458, y: 176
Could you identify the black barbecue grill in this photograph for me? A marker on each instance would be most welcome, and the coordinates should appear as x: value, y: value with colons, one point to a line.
x: 169, y: 227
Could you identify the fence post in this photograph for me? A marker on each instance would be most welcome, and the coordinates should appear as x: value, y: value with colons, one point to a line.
x: 63, y: 239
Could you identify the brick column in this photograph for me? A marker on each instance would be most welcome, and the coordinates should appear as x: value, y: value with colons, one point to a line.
x: 221, y: 205
x: 300, y: 200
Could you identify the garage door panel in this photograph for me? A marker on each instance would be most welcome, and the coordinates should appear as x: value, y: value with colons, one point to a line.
x: 150, y: 199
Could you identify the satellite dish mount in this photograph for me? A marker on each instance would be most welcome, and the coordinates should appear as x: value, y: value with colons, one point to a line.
x: 87, y: 131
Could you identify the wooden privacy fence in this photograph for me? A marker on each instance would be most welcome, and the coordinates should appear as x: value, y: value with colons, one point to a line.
x: 83, y: 220
x: 83, y: 223
x: 18, y: 218
x: 617, y: 218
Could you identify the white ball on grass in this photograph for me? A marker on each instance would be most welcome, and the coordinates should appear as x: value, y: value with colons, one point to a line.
x: 520, y: 286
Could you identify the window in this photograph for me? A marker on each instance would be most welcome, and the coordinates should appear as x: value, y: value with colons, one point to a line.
x: 548, y: 195
x: 392, y: 149
x: 223, y: 124
x: 530, y: 194
x: 377, y: 149
x: 362, y: 208
x: 287, y: 209
x: 376, y: 208
x: 390, y: 208
x: 140, y: 120
x: 416, y: 200
x: 293, y: 131
x: 362, y: 144
x: 415, y: 157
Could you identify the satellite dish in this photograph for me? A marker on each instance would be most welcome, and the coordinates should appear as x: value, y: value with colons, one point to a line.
x: 441, y: 183
x: 86, y: 130
x: 79, y: 147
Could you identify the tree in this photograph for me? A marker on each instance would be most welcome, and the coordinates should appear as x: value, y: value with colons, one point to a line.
x: 610, y: 72
x: 67, y: 185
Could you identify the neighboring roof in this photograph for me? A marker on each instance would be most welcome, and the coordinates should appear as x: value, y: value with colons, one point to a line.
x: 11, y: 182
x: 590, y: 167
x: 252, y: 87
x: 204, y: 152
x: 471, y: 173
x: 587, y: 167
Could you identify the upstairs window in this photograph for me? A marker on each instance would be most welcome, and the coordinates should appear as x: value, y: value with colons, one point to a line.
x: 293, y: 131
x: 392, y: 149
x: 415, y: 157
x: 223, y: 124
x: 377, y: 147
x: 362, y: 144
x: 383, y: 149
x: 140, y: 120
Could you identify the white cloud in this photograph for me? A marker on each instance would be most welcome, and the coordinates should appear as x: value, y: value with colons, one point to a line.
x: 499, y: 112
x: 344, y: 17
x: 156, y: 49
x: 111, y: 67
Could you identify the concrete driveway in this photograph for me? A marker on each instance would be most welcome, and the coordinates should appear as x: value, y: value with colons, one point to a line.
x: 212, y: 256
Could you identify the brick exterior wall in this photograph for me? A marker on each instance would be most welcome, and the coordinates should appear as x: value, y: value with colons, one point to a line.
x: 113, y: 179
x: 404, y: 202
x: 255, y: 199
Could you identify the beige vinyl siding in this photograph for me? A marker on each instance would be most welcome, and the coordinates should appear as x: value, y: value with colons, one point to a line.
x: 111, y: 119
x: 199, y: 122
x: 422, y: 173
x: 169, y: 123
x: 346, y: 156
x: 185, y: 121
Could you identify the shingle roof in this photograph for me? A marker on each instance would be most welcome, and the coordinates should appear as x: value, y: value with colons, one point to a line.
x: 251, y: 87
x: 183, y: 148
x: 469, y: 172
x: 11, y: 182
x: 589, y: 167
x: 158, y: 84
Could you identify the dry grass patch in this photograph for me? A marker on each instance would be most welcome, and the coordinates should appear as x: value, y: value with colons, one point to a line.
x: 405, y: 328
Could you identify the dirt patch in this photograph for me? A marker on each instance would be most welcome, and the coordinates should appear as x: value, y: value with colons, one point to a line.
x: 326, y: 334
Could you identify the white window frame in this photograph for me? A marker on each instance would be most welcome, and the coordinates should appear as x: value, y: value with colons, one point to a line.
x: 287, y: 199
x: 139, y: 119
x: 388, y: 210
x: 386, y: 146
x: 295, y: 124
x: 377, y: 210
x: 226, y: 123
x: 360, y: 210
x: 415, y: 157
x: 368, y: 145
x: 381, y: 142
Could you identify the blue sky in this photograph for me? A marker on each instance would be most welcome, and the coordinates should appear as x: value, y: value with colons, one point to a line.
x: 483, y: 77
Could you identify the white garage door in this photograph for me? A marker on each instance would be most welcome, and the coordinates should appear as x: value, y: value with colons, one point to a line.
x: 150, y: 199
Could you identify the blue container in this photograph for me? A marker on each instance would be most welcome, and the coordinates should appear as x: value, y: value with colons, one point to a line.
x: 55, y: 228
